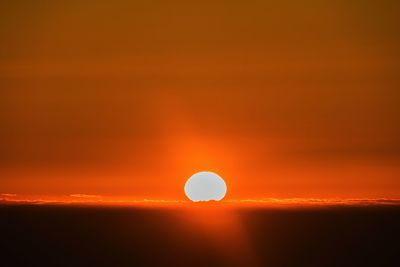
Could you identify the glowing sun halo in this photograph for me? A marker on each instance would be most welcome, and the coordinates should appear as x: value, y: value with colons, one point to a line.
x: 205, y: 186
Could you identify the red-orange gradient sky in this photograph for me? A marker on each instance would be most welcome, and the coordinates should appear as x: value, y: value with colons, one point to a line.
x: 283, y: 99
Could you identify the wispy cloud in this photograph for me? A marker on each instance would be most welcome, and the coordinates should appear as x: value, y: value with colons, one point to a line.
x: 319, y: 201
x: 85, y: 196
x: 9, y: 195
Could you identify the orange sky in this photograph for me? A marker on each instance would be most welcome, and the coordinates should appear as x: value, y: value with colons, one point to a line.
x: 130, y: 98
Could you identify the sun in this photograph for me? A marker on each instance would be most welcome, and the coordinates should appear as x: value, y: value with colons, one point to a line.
x: 205, y: 186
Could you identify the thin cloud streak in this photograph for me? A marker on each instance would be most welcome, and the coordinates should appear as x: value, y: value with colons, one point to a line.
x: 84, y: 196
x: 319, y: 201
x: 9, y: 195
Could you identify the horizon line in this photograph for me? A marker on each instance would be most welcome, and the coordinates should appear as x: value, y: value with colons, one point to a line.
x: 99, y: 200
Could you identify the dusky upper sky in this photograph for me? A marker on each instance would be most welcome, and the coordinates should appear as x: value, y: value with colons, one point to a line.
x: 282, y: 99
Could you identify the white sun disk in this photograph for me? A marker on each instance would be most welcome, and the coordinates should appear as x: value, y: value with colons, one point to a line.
x: 205, y: 186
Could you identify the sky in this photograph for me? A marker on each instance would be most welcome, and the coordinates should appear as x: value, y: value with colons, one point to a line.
x: 130, y: 98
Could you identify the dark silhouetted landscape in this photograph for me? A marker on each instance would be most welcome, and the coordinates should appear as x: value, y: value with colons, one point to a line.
x: 56, y: 235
